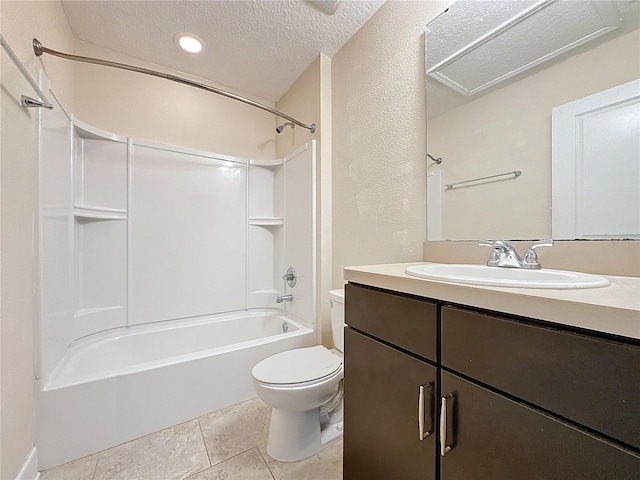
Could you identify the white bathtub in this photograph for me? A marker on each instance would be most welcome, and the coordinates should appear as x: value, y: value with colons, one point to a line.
x: 116, y: 386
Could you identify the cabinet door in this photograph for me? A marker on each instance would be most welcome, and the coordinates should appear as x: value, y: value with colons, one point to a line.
x: 494, y: 438
x: 381, y: 412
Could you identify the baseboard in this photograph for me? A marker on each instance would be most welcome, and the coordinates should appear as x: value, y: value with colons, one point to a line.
x: 29, y: 469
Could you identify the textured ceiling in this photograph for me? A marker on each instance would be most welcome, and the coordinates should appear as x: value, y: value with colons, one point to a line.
x: 525, y: 37
x: 255, y: 46
x: 475, y: 46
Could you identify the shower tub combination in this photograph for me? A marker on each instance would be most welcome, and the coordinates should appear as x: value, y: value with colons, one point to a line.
x: 158, y: 267
x: 116, y: 386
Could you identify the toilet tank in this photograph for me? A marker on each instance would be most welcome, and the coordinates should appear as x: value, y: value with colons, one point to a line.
x: 336, y: 298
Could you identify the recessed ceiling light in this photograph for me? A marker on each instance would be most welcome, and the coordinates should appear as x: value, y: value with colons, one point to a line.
x: 189, y: 42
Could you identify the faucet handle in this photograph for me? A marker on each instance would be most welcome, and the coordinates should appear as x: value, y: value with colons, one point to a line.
x: 499, y: 244
x: 290, y: 277
x: 530, y: 259
x: 496, y: 252
x: 489, y: 243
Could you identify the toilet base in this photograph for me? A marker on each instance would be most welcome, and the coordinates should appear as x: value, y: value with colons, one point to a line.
x: 296, y: 435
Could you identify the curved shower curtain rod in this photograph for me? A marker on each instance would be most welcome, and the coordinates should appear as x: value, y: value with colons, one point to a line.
x: 39, y: 49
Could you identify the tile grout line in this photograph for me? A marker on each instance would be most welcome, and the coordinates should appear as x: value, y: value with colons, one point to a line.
x: 211, y: 464
x: 266, y: 463
x: 204, y: 441
x: 95, y: 467
x: 205, y: 449
x: 232, y: 457
x: 237, y: 454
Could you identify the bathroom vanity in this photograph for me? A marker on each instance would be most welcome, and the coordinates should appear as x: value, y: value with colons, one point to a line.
x: 454, y: 382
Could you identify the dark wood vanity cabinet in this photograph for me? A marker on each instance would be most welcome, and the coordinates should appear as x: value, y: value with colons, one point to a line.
x: 390, y: 391
x: 515, y: 399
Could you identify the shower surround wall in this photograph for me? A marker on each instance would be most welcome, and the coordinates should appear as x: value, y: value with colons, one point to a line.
x: 132, y: 233
x: 158, y: 233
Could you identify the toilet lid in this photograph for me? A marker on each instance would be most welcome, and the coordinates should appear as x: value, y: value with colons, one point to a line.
x: 297, y: 366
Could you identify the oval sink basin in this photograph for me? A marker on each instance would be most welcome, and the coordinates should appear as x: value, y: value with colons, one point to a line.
x: 507, y: 277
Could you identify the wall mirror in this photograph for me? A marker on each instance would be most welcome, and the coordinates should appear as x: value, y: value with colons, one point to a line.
x: 534, y: 108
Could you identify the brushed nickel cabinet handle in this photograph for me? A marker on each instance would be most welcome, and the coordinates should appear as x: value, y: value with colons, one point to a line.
x: 421, y: 412
x: 444, y: 448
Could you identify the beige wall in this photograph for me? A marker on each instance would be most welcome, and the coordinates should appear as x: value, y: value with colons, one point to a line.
x: 158, y: 110
x: 379, y: 138
x: 19, y: 23
x: 302, y: 101
x: 309, y: 100
x: 510, y: 129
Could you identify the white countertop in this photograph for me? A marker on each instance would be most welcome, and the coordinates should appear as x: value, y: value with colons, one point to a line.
x: 614, y: 309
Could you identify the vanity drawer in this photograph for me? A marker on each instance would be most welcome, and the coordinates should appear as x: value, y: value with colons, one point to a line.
x: 591, y: 381
x: 406, y: 322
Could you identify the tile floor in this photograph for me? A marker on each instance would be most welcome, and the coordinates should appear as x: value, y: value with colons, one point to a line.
x: 225, y: 445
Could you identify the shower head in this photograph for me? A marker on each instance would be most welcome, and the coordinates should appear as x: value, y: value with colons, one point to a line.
x: 281, y: 127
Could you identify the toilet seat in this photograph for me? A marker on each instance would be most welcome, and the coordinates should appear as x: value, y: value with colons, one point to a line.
x: 296, y: 367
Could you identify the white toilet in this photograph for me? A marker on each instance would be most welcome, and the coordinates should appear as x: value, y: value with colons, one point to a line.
x: 304, y: 388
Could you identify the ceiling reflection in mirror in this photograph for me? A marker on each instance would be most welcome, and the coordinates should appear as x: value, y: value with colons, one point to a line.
x: 501, y: 77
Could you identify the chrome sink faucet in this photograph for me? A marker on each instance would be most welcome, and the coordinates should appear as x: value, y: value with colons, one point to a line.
x: 504, y: 255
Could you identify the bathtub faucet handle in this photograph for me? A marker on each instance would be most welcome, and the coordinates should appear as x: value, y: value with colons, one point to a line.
x: 290, y: 277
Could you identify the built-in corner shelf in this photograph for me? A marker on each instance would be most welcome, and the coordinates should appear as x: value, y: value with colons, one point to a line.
x: 266, y: 221
x: 84, y: 130
x: 267, y: 163
x: 98, y: 213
